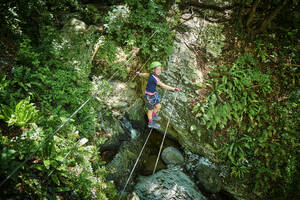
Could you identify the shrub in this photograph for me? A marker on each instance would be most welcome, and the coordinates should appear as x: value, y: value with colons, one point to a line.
x: 254, y: 132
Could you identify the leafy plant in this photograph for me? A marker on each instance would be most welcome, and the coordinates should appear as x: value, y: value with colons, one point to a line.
x: 53, y: 69
x: 256, y: 134
x: 141, y: 25
x: 22, y: 115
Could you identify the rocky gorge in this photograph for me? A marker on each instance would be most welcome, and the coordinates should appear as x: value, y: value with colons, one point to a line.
x: 191, y: 166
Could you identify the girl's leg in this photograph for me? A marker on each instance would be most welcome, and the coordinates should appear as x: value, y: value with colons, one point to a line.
x: 149, y: 114
x: 156, y: 108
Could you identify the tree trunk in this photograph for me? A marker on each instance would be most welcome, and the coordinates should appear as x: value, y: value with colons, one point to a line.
x: 251, y: 15
x: 271, y: 16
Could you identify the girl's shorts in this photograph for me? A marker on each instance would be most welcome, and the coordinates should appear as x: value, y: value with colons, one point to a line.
x: 151, y: 100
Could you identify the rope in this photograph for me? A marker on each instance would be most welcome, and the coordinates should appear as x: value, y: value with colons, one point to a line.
x: 140, y: 69
x: 162, y: 143
x: 79, y: 140
x: 39, y: 147
x: 137, y: 160
x: 131, y: 173
x: 67, y: 120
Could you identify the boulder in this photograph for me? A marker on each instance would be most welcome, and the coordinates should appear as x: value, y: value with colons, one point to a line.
x: 133, y: 196
x: 136, y: 114
x: 171, y: 156
x: 208, y: 178
x: 74, y: 26
x: 112, y: 129
x: 204, y: 171
x: 167, y: 184
x: 123, y: 162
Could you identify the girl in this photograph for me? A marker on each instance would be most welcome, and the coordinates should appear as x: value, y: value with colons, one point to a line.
x: 151, y: 96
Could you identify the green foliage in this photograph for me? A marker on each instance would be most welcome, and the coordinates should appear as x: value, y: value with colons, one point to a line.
x: 16, y: 150
x: 22, y: 115
x: 55, y: 75
x: 65, y: 164
x: 139, y: 25
x: 112, y: 57
x: 91, y: 14
x: 257, y: 134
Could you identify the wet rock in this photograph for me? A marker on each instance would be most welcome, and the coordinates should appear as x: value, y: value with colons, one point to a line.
x: 208, y: 178
x: 123, y: 162
x: 171, y: 155
x: 128, y: 126
x: 113, y: 131
x: 136, y: 114
x: 150, y: 160
x: 167, y: 184
x: 204, y: 171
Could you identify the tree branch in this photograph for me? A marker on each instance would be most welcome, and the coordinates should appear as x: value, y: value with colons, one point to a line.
x: 271, y: 16
x: 195, y: 3
x: 251, y: 15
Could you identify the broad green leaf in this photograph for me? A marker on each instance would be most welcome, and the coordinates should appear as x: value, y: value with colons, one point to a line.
x: 55, y: 179
x: 47, y: 164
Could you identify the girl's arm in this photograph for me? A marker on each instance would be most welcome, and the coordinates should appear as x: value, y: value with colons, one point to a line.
x: 146, y: 75
x: 161, y: 84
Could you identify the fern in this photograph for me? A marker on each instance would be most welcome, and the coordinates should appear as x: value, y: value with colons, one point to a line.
x: 22, y: 115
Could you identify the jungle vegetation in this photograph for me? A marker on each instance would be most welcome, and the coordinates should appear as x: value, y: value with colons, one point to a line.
x: 251, y: 108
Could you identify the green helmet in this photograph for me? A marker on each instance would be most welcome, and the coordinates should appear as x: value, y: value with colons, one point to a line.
x: 154, y: 65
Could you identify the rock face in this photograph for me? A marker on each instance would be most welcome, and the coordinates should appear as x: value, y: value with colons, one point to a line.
x: 113, y: 131
x: 167, y: 184
x: 171, y: 156
x: 206, y: 173
x: 184, y: 71
x: 122, y: 164
x: 208, y: 178
x: 136, y: 115
x: 121, y: 99
x: 74, y: 25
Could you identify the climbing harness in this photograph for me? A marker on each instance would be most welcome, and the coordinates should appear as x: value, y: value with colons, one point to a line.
x: 67, y: 120
x: 150, y: 100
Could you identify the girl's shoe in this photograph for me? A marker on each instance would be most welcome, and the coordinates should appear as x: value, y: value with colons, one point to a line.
x: 153, y: 125
x: 156, y: 118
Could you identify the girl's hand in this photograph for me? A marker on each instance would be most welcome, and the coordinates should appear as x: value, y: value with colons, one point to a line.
x: 138, y: 73
x: 177, y: 89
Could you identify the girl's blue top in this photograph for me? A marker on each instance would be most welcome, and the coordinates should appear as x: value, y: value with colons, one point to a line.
x: 151, y: 85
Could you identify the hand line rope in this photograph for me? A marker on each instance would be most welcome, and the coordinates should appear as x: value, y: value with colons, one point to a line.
x: 135, y: 164
x: 161, y: 145
x: 74, y: 147
x: 67, y: 120
x: 131, y: 173
x: 137, y: 160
